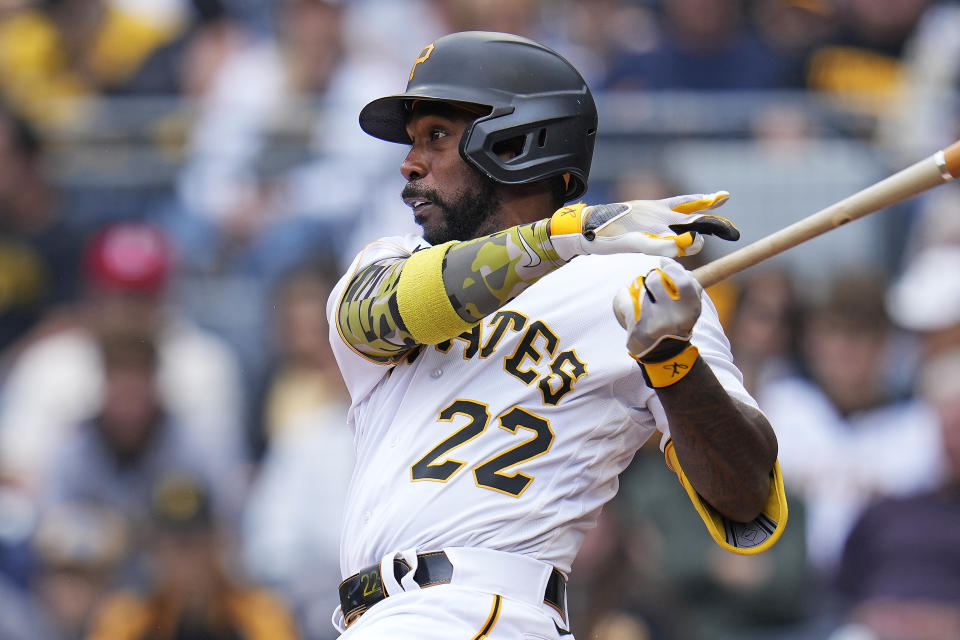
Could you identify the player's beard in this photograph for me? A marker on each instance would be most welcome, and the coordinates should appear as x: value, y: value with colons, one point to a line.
x: 463, y: 213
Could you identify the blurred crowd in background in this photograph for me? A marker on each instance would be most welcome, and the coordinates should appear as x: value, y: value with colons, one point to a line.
x: 181, y: 182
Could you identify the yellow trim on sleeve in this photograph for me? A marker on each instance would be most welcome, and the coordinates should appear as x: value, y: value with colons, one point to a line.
x: 567, y: 220
x: 423, y: 301
x: 743, y: 538
x: 665, y: 373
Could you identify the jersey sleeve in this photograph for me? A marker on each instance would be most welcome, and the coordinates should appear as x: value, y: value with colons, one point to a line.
x: 360, y: 371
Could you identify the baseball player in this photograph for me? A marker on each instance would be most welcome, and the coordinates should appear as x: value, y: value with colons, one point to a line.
x: 493, y: 403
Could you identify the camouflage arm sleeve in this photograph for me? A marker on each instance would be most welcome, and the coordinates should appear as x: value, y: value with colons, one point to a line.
x: 477, y: 277
x: 482, y: 275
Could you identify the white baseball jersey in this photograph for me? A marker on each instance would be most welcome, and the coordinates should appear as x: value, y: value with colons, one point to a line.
x: 512, y: 436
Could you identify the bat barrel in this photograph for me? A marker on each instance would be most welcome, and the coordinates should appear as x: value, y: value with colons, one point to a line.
x: 925, y: 174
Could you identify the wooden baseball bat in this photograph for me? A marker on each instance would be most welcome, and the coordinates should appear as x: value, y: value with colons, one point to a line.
x: 942, y: 166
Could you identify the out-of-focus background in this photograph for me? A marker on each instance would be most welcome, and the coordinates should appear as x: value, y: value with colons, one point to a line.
x: 182, y: 180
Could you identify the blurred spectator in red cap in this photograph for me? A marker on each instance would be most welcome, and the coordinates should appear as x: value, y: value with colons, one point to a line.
x: 192, y: 592
x: 58, y: 381
x: 129, y: 257
x: 127, y: 268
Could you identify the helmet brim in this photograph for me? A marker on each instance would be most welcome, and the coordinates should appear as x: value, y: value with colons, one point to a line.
x: 386, y: 118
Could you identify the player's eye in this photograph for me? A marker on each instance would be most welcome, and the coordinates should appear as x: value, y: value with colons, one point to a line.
x: 437, y: 133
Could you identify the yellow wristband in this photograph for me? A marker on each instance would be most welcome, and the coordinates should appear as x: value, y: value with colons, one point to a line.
x: 665, y: 373
x: 422, y: 300
x: 567, y: 220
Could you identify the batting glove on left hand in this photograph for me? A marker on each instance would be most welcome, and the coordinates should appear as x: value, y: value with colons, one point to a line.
x: 658, y: 310
x: 671, y: 227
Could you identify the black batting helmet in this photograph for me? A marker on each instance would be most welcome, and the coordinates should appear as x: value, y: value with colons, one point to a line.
x: 532, y: 93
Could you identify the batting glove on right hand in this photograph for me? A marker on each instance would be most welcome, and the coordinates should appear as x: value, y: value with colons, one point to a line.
x: 658, y: 310
x: 671, y: 227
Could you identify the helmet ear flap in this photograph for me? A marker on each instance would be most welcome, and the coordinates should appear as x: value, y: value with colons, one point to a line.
x: 547, y: 147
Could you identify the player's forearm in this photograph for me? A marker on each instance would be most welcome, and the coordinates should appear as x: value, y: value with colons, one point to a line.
x: 391, y: 306
x: 484, y: 274
x: 726, y: 448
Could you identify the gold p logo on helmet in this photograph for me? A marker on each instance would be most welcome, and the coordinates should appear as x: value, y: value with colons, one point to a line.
x: 422, y: 57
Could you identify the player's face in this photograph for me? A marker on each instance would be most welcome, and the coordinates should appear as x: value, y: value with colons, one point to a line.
x: 450, y: 199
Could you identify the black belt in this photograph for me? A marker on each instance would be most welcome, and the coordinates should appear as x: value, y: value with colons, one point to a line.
x: 362, y: 590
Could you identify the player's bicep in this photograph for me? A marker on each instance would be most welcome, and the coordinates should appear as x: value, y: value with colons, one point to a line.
x: 368, y: 317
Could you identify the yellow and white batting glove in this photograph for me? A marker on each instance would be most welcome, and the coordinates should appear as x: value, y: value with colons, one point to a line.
x: 658, y: 310
x: 671, y: 227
